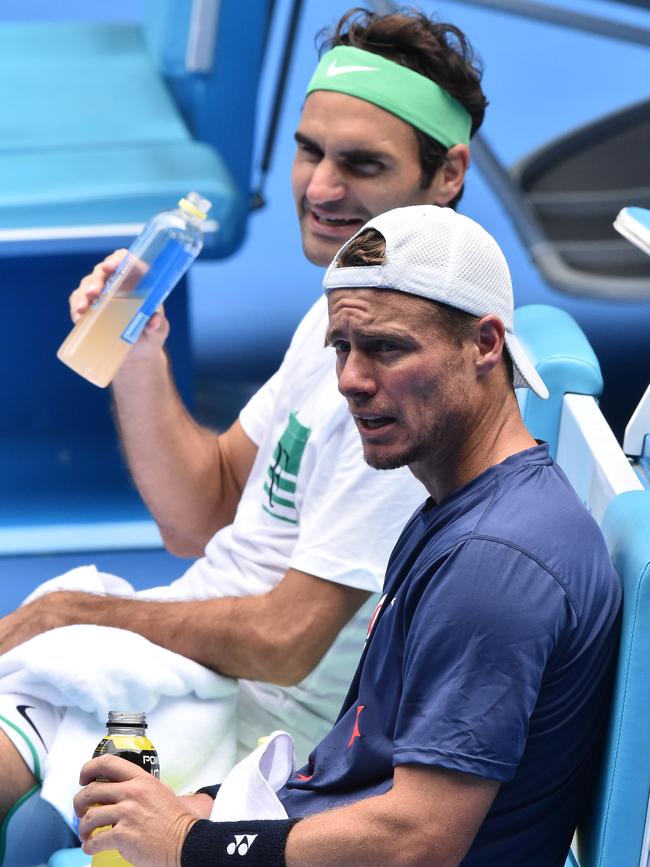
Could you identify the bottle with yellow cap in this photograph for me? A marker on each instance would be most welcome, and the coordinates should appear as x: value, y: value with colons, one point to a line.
x: 154, y: 264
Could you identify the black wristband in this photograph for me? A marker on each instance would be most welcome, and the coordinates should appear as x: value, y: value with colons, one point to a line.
x: 209, y: 790
x: 258, y: 843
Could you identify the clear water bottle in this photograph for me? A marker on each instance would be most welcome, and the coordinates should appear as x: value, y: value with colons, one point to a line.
x: 126, y: 737
x: 155, y: 262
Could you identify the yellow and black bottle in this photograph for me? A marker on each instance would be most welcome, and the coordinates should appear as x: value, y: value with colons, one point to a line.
x: 125, y: 737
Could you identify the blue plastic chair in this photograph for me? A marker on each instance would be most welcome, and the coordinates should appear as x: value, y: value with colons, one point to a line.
x: 106, y: 123
x: 564, y: 359
x: 613, y: 834
x: 69, y: 858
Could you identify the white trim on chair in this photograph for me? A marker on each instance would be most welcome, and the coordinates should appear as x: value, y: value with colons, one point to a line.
x: 590, y: 455
x: 201, y: 41
x: 62, y: 239
x: 645, y: 846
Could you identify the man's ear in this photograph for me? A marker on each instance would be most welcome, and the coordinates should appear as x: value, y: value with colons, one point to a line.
x: 489, y: 343
x: 450, y: 177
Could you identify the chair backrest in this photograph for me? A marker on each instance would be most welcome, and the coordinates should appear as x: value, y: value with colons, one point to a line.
x: 564, y: 359
x: 210, y: 53
x: 615, y: 833
x: 570, y: 420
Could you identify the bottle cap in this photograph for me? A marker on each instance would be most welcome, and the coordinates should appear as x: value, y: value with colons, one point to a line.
x: 196, y: 205
x: 126, y: 718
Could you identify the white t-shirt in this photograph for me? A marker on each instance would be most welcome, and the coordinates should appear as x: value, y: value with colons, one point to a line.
x: 312, y: 504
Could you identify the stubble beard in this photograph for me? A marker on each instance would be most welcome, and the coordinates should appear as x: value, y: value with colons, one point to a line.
x: 443, y: 437
x: 414, y: 453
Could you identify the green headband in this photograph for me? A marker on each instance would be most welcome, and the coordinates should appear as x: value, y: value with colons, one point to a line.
x: 403, y: 92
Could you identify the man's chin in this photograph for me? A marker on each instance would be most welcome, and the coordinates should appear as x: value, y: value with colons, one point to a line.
x: 395, y: 458
x: 321, y: 250
x: 385, y: 461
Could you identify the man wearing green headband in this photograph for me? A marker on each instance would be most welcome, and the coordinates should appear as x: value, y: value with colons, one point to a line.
x: 388, y: 117
x: 296, y: 529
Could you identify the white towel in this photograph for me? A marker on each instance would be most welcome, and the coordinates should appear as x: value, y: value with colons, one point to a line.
x: 249, y: 790
x: 94, y: 669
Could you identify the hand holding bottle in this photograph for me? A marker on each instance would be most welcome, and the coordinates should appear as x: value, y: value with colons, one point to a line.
x: 90, y: 288
x: 148, y: 822
x: 115, y: 304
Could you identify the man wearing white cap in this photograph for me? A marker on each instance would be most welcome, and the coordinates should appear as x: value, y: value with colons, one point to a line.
x: 471, y: 730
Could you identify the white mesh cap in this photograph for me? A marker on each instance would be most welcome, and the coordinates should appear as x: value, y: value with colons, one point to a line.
x: 438, y: 254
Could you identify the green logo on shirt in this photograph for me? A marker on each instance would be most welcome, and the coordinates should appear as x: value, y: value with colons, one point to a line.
x: 280, y: 488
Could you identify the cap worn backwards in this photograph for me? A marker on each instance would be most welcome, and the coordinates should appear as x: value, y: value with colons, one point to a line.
x: 438, y: 254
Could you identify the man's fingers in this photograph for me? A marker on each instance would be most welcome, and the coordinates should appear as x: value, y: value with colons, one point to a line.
x: 111, y: 769
x: 99, y: 819
x: 158, y: 322
x: 94, y: 794
x: 111, y: 262
x: 91, y: 285
x: 82, y: 298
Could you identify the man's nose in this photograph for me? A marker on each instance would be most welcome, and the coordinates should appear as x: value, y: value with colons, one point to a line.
x: 355, y: 376
x: 326, y: 184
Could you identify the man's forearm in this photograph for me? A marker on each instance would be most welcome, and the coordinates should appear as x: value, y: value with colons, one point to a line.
x: 364, y: 834
x: 277, y: 636
x: 208, y: 631
x: 177, y: 466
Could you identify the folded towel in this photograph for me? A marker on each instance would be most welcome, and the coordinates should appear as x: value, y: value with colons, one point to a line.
x: 93, y: 669
x: 249, y: 790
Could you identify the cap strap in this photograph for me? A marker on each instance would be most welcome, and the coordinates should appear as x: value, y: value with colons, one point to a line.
x: 403, y: 92
x: 354, y: 277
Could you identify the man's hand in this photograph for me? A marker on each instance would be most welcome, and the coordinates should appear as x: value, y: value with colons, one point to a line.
x: 149, y: 823
x: 29, y: 620
x: 198, y: 805
x: 90, y: 287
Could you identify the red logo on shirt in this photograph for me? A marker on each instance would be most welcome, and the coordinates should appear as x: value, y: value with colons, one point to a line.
x: 304, y: 777
x: 356, y: 733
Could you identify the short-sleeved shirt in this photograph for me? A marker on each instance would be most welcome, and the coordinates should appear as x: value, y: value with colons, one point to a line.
x: 491, y: 654
x: 310, y: 503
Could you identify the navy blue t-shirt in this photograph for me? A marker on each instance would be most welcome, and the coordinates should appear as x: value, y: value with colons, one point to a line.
x: 491, y: 654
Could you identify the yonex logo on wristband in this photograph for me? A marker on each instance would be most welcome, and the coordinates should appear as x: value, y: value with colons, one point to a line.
x: 241, y: 844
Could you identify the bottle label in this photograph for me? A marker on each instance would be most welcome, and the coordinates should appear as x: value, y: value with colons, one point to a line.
x: 165, y: 271
x: 135, y: 749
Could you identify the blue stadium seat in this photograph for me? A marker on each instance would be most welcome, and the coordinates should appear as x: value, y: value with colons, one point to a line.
x: 563, y: 358
x: 107, y: 123
x: 69, y: 858
x: 615, y: 832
